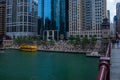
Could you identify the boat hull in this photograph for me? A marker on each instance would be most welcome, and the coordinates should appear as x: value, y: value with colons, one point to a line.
x: 28, y: 48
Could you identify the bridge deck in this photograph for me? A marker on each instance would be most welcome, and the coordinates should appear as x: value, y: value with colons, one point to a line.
x: 115, y: 62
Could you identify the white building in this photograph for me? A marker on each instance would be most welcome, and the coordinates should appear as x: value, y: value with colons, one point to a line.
x: 21, y: 17
x: 86, y: 17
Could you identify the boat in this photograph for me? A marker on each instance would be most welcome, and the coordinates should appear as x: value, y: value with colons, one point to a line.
x: 30, y: 48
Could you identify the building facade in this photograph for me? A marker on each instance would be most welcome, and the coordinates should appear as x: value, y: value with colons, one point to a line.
x: 54, y: 16
x: 21, y: 17
x: 108, y: 15
x: 2, y: 17
x: 115, y: 23
x: 118, y: 17
x: 86, y: 17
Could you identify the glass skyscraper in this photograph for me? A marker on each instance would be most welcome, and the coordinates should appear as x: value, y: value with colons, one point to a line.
x: 53, y: 12
x: 21, y: 17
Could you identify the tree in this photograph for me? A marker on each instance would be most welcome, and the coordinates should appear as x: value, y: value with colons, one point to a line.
x: 71, y: 39
x: 84, y: 42
x: 77, y: 40
x: 93, y: 41
x: 19, y: 40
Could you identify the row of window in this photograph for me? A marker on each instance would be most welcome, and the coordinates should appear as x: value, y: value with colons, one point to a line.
x: 20, y: 29
x: 21, y: 19
x: 9, y: 2
x: 88, y: 35
x: 21, y: 9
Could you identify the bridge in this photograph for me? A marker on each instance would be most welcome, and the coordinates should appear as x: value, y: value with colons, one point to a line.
x: 115, y: 62
x: 104, y: 65
x: 109, y: 65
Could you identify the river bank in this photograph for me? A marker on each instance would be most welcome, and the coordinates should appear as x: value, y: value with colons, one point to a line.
x: 62, y: 47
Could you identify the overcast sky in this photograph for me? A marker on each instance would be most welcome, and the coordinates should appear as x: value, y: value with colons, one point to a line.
x: 111, y: 5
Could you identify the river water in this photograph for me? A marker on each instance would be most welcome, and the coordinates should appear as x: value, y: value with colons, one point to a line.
x: 20, y: 65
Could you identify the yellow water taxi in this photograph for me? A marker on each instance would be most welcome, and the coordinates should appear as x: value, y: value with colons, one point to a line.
x: 28, y: 48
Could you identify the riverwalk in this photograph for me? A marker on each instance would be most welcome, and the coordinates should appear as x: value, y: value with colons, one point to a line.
x: 57, y: 49
x: 64, y: 47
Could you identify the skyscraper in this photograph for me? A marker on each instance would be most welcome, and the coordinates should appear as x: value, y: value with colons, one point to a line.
x: 86, y: 16
x: 21, y: 17
x: 108, y: 15
x: 115, y: 24
x: 2, y: 17
x: 54, y: 15
x: 118, y: 17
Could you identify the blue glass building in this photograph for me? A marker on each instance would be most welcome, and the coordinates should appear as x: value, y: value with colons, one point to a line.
x: 53, y: 13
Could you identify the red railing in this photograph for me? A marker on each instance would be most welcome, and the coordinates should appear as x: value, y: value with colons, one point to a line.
x: 104, y: 65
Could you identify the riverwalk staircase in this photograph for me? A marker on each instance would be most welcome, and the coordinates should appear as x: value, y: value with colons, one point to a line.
x: 96, y: 50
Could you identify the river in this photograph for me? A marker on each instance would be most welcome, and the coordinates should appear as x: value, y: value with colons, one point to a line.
x: 20, y: 65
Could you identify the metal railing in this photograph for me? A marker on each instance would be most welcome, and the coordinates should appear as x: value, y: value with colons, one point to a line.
x: 104, y: 66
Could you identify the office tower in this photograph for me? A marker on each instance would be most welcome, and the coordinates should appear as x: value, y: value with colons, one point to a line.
x: 85, y: 17
x: 115, y: 24
x: 21, y: 17
x: 2, y: 17
x: 39, y: 25
x: 108, y: 15
x: 54, y: 17
x: 118, y: 17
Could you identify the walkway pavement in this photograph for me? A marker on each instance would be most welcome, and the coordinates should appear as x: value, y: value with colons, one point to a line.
x: 115, y: 62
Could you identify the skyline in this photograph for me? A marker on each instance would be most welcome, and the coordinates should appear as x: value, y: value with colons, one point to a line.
x: 111, y: 5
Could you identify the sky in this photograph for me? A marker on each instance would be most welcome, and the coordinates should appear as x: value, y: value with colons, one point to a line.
x: 111, y: 5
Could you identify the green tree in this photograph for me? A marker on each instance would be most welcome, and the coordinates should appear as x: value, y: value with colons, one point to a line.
x: 19, y: 40
x: 77, y: 40
x: 84, y: 42
x: 92, y: 42
x: 71, y: 39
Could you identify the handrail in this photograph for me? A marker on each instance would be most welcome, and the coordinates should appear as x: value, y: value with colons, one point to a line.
x: 108, y: 50
x: 103, y: 73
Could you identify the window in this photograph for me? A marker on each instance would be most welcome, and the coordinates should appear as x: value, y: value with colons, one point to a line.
x: 21, y: 9
x: 21, y: 18
x: 25, y: 8
x: 21, y: 28
x: 25, y: 28
x: 25, y: 18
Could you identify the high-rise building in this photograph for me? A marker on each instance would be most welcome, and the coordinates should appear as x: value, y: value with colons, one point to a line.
x: 2, y: 17
x: 118, y: 17
x: 108, y: 15
x: 21, y: 17
x: 115, y: 23
x: 86, y: 16
x: 53, y: 13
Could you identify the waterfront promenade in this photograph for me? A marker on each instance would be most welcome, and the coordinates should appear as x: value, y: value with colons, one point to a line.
x: 57, y: 47
x: 63, y: 46
x: 67, y: 48
x: 115, y: 62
